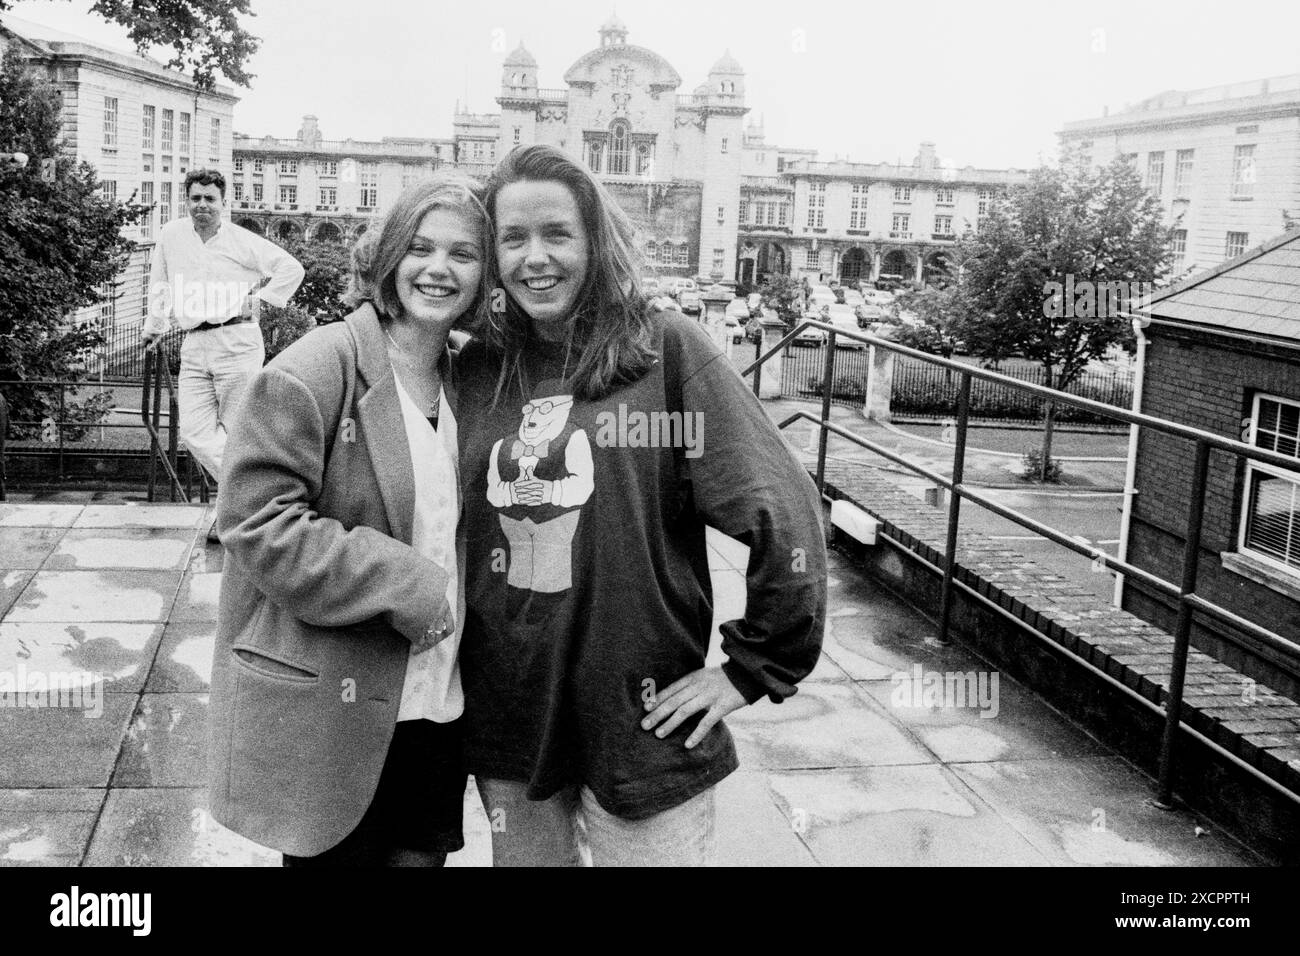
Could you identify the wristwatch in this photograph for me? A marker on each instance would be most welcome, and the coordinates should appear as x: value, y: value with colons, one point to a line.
x: 437, y: 632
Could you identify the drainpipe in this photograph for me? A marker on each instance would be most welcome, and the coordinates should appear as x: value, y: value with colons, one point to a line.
x: 1130, y: 469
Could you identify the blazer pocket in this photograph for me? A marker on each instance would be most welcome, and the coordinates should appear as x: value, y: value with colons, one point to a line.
x: 275, y: 667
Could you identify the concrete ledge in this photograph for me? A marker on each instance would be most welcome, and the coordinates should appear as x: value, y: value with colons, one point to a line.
x: 1078, y: 640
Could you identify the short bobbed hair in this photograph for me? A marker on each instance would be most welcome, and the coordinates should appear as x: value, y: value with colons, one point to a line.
x: 378, y: 252
x: 610, y: 330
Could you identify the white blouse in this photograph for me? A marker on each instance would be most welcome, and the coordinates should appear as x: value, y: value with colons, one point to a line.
x: 432, y: 687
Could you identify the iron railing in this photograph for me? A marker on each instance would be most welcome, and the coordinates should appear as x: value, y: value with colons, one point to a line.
x: 1189, y: 602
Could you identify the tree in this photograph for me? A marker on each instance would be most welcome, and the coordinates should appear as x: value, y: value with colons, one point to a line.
x: 783, y: 295
x: 326, y: 266
x: 60, y: 243
x: 205, y: 35
x: 1070, y: 227
x: 934, y: 319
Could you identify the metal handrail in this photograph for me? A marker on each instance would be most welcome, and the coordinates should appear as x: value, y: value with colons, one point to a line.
x: 1184, y: 592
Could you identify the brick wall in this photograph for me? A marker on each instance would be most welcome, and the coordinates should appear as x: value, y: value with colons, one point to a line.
x: 1208, y: 382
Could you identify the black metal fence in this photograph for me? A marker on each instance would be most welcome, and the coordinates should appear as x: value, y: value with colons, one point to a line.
x: 122, y: 356
x: 803, y: 369
x: 922, y: 390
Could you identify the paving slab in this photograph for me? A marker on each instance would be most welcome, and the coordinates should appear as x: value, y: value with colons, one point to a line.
x: 96, y: 596
x: 166, y: 743
x: 118, y: 655
x: 197, y: 598
x: 62, y: 746
x: 1095, y: 811
x: 957, y: 723
x: 823, y: 725
x: 752, y: 830
x: 38, y: 515
x: 168, y: 827
x: 27, y: 548
x: 184, y: 659
x: 140, y: 516
x: 897, y: 816
x: 47, y: 827
x: 12, y: 584
x: 158, y: 549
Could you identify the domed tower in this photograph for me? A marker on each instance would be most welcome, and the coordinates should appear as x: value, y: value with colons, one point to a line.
x: 519, y: 74
x: 727, y: 81
x: 613, y: 32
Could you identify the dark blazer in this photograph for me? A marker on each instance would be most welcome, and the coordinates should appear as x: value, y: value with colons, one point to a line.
x: 321, y: 593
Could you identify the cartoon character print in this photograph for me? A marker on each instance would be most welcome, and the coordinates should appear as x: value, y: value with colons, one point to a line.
x: 539, y: 481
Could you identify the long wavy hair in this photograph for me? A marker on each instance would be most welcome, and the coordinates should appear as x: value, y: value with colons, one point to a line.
x: 376, y: 255
x: 610, y: 329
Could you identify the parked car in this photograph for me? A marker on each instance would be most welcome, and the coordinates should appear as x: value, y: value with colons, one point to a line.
x: 889, y: 282
x: 810, y: 336
x: 879, y: 297
x: 689, y: 301
x: 737, y: 312
x: 843, y: 317
x: 853, y: 297
x: 866, y: 314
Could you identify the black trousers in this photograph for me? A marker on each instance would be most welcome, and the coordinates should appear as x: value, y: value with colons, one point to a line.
x: 418, y: 805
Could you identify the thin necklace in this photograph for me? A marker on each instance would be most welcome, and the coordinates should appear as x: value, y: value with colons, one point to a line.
x: 436, y: 404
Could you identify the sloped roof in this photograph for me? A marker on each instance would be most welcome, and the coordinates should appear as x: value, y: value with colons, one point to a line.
x: 1256, y: 294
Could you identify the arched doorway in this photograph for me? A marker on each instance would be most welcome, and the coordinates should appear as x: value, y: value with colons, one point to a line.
x: 327, y: 232
x: 772, y: 260
x: 359, y: 231
x: 288, y: 231
x: 747, y: 265
x: 854, y: 265
x: 898, y: 263
x: 252, y: 225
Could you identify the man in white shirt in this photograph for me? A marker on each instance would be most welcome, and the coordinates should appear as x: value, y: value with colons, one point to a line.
x: 208, y: 276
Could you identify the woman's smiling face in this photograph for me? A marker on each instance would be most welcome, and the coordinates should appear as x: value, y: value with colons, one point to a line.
x: 439, y: 276
x: 542, y: 251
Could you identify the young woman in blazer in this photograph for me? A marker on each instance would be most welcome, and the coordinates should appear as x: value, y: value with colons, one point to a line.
x: 335, y: 690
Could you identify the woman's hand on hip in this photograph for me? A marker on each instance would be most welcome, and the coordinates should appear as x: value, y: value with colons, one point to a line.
x: 707, y: 689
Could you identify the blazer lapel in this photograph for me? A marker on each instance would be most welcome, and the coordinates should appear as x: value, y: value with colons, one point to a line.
x: 380, y: 411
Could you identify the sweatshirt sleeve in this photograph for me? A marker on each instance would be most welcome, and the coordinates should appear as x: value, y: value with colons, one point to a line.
x: 748, y: 484
x: 282, y: 271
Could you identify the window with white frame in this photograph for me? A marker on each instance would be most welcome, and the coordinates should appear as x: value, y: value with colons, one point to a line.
x: 783, y: 213
x: 146, y: 163
x: 743, y: 215
x: 329, y: 167
x: 147, y: 121
x: 682, y: 255
x: 110, y: 122
x: 769, y: 214
x: 518, y: 133
x: 985, y: 200
x: 1183, y: 163
x: 1155, y: 173
x: 239, y: 164
x: 369, y: 178
x: 645, y: 160
x: 258, y: 165
x: 214, y: 140
x: 722, y: 215
x: 1178, y: 246
x: 858, y: 206
x: 108, y: 190
x: 183, y: 135
x: 107, y: 306
x: 288, y: 194
x: 666, y: 253
x: 1235, y: 244
x: 1243, y: 172
x: 651, y: 251
x: 288, y: 167
x: 329, y: 195
x: 595, y: 155
x: 719, y: 255
x: 237, y: 191
x: 619, y: 152
x: 943, y: 225
x: 943, y: 196
x: 166, y: 132
x: 257, y: 192
x: 816, y: 205
x: 812, y: 258
x: 901, y: 228
x: 724, y: 144
x: 146, y: 199
x: 902, y: 194
x: 1270, y: 525
x: 164, y: 202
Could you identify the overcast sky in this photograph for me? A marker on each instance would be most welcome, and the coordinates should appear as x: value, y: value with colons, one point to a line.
x: 989, y: 83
